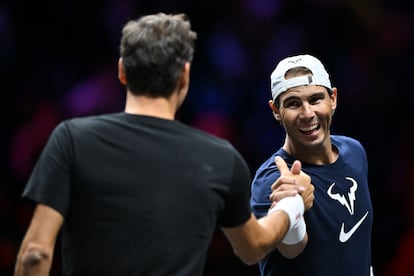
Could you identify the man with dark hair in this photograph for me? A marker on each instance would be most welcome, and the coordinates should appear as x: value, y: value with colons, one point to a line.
x: 139, y: 193
x: 336, y: 239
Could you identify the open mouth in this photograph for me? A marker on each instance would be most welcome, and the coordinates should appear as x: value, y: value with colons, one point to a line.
x: 310, y: 129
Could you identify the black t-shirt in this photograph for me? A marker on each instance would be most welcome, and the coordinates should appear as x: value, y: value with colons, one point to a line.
x: 140, y: 195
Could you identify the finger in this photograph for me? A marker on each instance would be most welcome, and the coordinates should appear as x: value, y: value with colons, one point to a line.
x: 283, y: 180
x: 296, y: 167
x: 277, y: 196
x: 281, y: 165
x: 285, y: 189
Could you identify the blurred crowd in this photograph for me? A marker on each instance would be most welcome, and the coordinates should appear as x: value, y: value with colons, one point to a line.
x: 58, y: 59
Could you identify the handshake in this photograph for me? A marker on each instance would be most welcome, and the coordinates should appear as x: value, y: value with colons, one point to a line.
x: 292, y: 193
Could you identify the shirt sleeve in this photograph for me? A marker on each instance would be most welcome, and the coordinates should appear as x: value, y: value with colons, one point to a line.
x: 49, y: 182
x: 237, y: 210
x: 265, y: 176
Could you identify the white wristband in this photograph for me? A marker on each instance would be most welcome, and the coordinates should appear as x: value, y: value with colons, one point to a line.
x: 294, y: 208
x: 297, y: 234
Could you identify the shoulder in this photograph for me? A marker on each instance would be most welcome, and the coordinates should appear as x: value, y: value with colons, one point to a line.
x: 68, y: 129
x: 89, y: 121
x: 268, y: 171
x: 269, y: 163
x: 345, y: 142
x: 344, y: 139
x: 208, y: 139
x: 350, y: 149
x: 79, y: 125
x: 212, y: 147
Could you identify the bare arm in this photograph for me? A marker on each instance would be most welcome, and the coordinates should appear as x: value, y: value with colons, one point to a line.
x: 256, y: 238
x: 36, y: 251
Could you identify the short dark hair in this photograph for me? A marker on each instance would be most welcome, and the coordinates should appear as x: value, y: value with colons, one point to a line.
x: 154, y: 49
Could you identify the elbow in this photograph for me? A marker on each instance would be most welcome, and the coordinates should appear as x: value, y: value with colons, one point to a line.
x: 34, y: 258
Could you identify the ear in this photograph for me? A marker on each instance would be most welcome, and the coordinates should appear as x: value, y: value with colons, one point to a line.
x: 334, y: 99
x: 184, y: 79
x: 121, y: 72
x: 275, y: 110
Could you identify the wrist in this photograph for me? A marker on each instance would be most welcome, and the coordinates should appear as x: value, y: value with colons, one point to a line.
x: 296, y: 234
x: 293, y: 206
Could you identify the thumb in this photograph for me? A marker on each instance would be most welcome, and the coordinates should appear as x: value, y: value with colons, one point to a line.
x: 281, y: 165
x: 296, y: 167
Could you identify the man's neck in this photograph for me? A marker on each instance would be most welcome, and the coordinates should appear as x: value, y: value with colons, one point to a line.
x: 155, y: 107
x: 318, y: 155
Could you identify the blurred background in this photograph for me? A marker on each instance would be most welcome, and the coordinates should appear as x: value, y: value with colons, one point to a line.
x: 58, y: 59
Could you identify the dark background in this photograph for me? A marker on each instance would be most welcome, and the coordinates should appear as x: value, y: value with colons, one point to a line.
x: 58, y: 59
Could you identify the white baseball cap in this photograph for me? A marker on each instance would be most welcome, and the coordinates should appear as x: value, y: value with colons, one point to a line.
x: 319, y: 75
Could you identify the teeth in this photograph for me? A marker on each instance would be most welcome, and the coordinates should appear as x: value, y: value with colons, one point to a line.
x: 309, y: 128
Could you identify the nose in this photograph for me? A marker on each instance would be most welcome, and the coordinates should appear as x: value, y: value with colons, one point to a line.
x: 307, y: 111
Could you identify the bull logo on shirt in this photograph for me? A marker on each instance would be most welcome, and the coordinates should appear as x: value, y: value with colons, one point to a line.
x: 347, y: 202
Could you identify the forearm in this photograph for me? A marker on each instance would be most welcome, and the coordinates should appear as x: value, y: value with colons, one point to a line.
x: 37, y: 248
x: 295, y: 240
x: 256, y: 238
x: 273, y: 228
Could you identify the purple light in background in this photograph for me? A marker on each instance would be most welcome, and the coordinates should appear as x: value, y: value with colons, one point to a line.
x: 263, y: 8
x: 226, y: 54
x: 99, y: 93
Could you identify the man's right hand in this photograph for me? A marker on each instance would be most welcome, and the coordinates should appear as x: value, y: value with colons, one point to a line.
x: 292, y: 182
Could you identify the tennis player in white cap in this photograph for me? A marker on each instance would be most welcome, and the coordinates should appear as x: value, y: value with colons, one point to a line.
x: 334, y: 236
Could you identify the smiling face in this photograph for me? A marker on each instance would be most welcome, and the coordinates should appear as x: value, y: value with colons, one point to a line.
x: 306, y: 114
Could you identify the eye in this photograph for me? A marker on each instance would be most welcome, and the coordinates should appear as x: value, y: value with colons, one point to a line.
x: 292, y: 104
x: 316, y: 99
